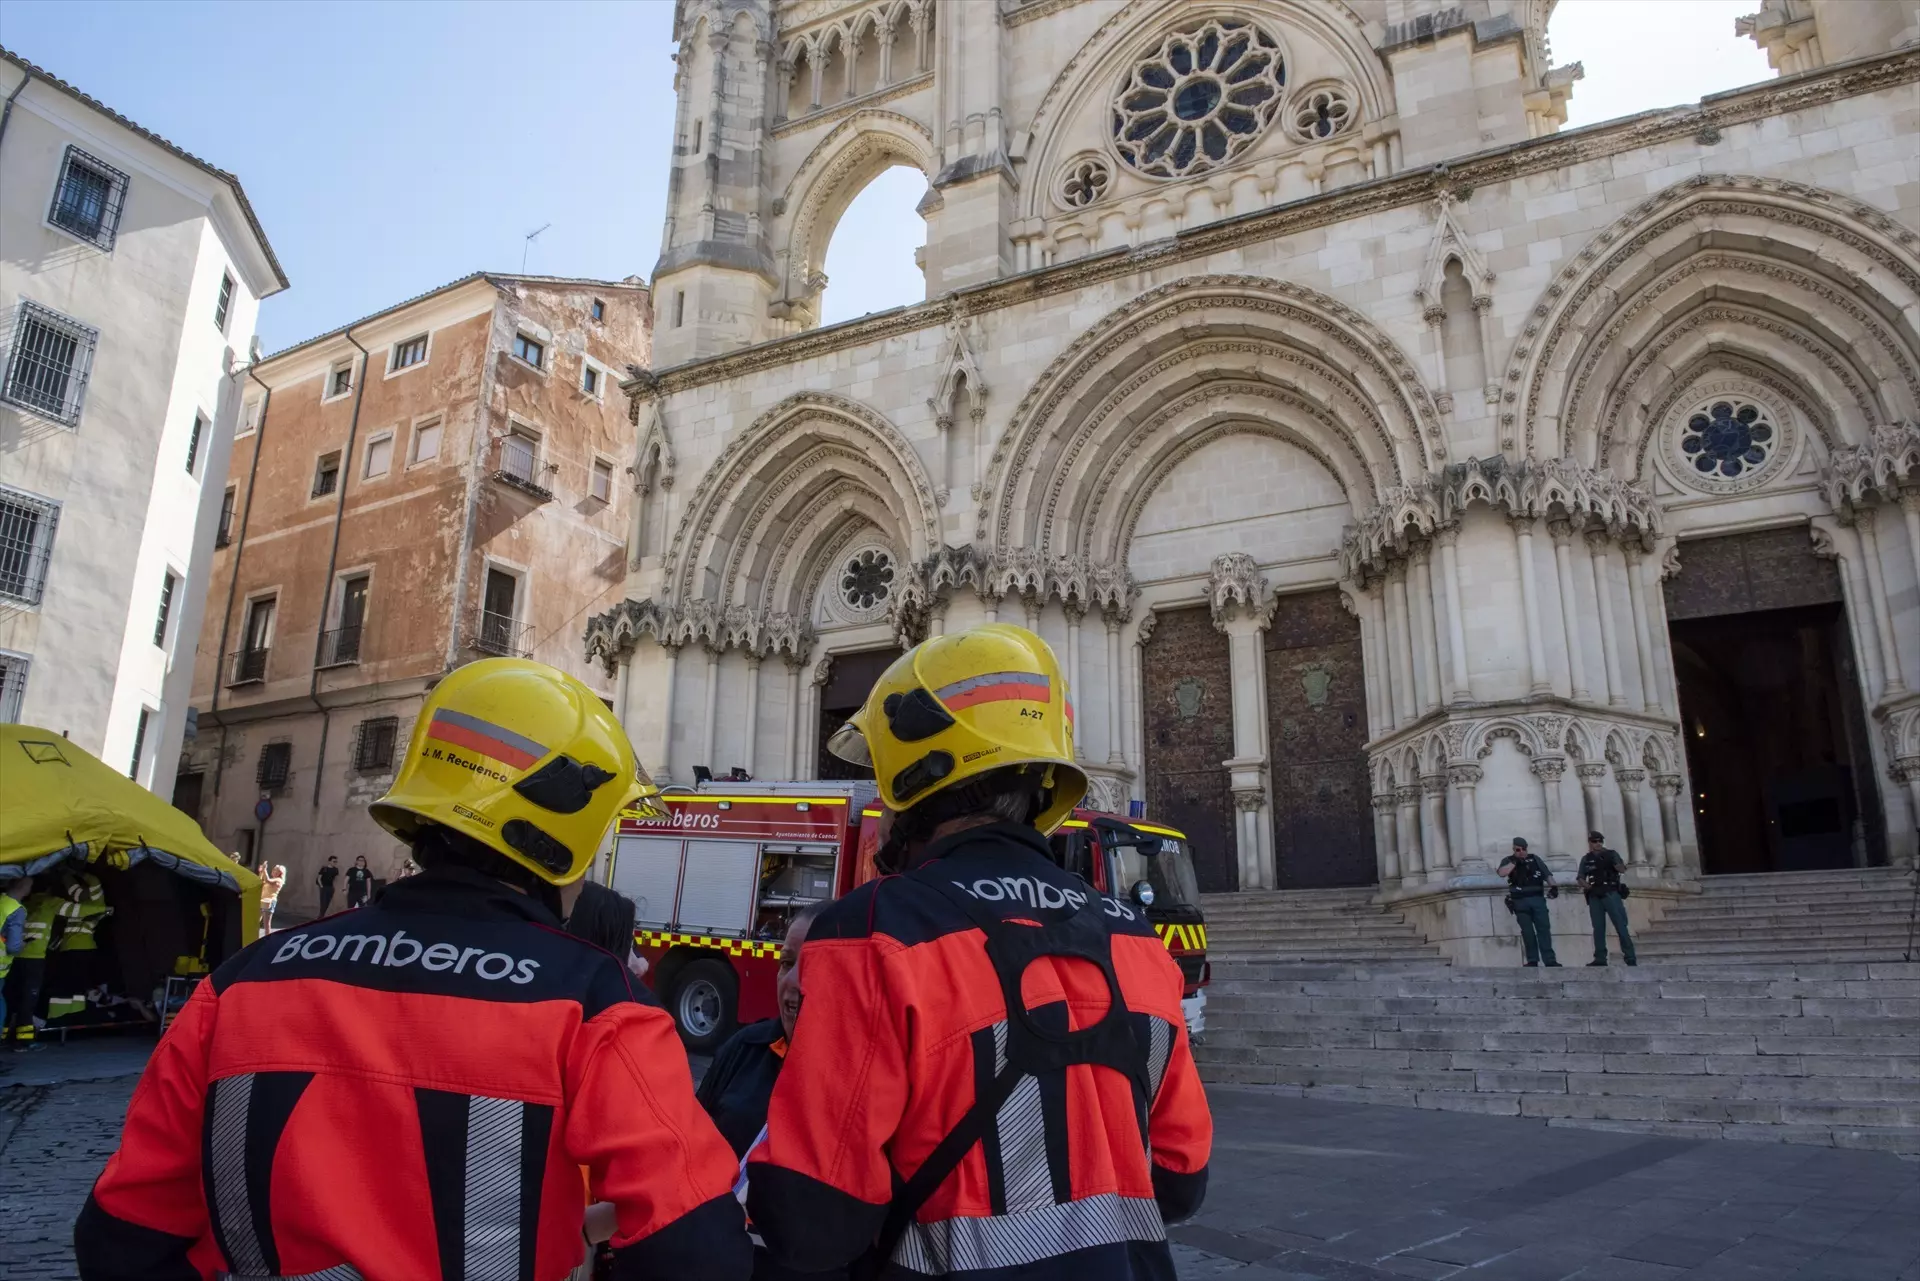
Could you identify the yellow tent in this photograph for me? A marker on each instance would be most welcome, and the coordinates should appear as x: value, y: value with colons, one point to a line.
x: 60, y: 805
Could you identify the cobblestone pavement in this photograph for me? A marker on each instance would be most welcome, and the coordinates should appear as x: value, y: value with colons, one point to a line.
x: 1302, y: 1190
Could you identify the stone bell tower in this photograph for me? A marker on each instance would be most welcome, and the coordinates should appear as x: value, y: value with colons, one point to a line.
x: 716, y: 277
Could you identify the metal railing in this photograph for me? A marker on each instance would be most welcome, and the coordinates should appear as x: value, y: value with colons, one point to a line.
x: 224, y: 534
x: 247, y: 666
x: 503, y: 635
x: 340, y: 646
x: 516, y: 462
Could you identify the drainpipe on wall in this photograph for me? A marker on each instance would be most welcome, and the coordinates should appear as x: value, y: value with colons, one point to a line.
x: 233, y: 583
x: 333, y: 559
x: 476, y: 464
x: 6, y: 113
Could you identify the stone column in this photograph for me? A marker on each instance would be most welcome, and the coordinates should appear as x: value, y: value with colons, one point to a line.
x: 791, y: 761
x: 1076, y: 610
x: 1413, y: 863
x: 1550, y: 770
x: 1375, y: 681
x: 1907, y: 770
x: 1539, y: 677
x: 666, y: 739
x: 1630, y: 780
x: 1666, y: 789
x: 1249, y: 804
x: 753, y: 712
x: 810, y: 718
x: 1603, y: 597
x: 1642, y: 634
x: 1463, y: 779
x: 1398, y: 643
x: 1031, y: 605
x: 1866, y: 651
x: 1462, y: 686
x: 707, y: 724
x: 1561, y: 531
x: 1910, y: 509
x: 1877, y: 591
x: 1115, y: 732
x: 884, y: 31
x: 1426, y: 639
x: 1433, y: 791
x: 1590, y: 778
x: 1386, y: 845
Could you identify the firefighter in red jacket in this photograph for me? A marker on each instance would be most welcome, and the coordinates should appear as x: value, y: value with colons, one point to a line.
x: 446, y: 1057
x: 990, y: 1075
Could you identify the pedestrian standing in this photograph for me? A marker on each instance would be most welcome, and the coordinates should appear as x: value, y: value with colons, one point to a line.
x: 1599, y: 877
x: 13, y: 932
x: 270, y: 886
x: 328, y: 874
x: 1529, y: 886
x: 359, y: 883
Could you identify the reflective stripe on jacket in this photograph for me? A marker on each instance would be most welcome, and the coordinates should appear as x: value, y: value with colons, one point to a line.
x: 451, y: 1059
x: 41, y: 911
x: 903, y: 1025
x: 8, y: 906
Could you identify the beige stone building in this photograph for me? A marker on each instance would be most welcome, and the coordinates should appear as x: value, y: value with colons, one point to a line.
x: 439, y: 482
x: 1395, y: 471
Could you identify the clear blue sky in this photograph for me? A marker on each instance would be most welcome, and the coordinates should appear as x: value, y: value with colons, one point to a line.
x: 390, y: 148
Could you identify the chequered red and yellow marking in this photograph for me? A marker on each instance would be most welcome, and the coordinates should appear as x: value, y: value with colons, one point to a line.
x: 731, y: 946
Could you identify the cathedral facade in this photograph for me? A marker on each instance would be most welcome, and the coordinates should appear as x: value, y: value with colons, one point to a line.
x: 1394, y: 471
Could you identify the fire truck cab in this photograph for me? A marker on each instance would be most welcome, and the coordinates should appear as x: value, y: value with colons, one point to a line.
x: 717, y: 881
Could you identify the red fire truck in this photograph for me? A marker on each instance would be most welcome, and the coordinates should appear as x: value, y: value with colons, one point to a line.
x: 717, y: 880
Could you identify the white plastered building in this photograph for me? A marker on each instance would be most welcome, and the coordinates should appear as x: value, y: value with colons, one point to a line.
x: 1394, y: 472
x: 131, y: 275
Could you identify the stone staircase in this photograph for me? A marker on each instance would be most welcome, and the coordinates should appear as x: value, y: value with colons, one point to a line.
x: 1316, y: 925
x: 1804, y: 1053
x: 1854, y: 915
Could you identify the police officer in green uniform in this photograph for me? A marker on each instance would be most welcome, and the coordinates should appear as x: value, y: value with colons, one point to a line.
x: 1599, y: 877
x: 1529, y: 886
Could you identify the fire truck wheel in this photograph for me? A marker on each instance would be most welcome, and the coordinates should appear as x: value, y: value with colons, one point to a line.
x: 705, y: 998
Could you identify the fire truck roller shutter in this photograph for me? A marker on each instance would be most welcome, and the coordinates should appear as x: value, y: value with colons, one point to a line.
x: 720, y: 886
x: 647, y: 870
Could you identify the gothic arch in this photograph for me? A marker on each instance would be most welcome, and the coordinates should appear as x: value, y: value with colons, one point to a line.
x: 1780, y: 270
x: 1480, y: 740
x: 1098, y: 64
x: 1256, y: 349
x: 1778, y: 371
x: 759, y: 505
x: 853, y: 153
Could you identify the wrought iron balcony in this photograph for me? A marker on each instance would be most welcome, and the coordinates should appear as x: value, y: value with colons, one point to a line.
x: 516, y: 464
x: 340, y: 646
x: 247, y: 666
x: 502, y: 635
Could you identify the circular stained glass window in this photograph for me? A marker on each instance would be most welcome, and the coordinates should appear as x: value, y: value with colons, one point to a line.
x: 1727, y: 439
x: 866, y: 581
x: 1199, y: 99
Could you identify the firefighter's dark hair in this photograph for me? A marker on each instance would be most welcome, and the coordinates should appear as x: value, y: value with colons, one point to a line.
x: 1014, y: 794
x: 604, y: 918
x: 435, y: 846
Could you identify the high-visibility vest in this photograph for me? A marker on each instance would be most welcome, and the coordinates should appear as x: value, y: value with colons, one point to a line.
x: 8, y: 906
x: 41, y: 911
x: 80, y: 922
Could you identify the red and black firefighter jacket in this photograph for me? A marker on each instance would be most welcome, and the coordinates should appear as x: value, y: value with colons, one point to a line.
x: 409, y: 1091
x: 905, y: 1023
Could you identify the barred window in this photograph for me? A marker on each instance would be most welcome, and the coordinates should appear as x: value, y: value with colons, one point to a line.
x: 13, y: 686
x: 88, y: 200
x: 373, y: 748
x: 326, y: 474
x: 167, y: 584
x: 276, y: 766
x: 26, y: 544
x: 47, y: 368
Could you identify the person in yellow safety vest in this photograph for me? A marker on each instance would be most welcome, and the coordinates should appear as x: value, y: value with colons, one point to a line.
x: 75, y: 967
x: 13, y: 932
x: 30, y: 966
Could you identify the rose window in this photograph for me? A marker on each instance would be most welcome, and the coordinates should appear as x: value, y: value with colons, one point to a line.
x: 1084, y: 181
x: 867, y: 579
x: 1321, y: 113
x: 1198, y: 100
x: 1728, y: 438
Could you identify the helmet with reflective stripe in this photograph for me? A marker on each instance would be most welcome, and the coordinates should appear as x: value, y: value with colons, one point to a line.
x: 954, y: 708
x: 524, y: 759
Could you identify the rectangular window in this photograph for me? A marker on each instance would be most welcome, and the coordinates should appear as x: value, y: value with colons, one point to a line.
x: 52, y: 354
x: 13, y: 687
x: 379, y: 455
x: 343, y: 643
x: 599, y: 309
x: 499, y: 632
x: 223, y: 308
x: 520, y: 456
x: 275, y: 768
x: 26, y: 544
x: 139, y: 742
x: 529, y: 350
x: 590, y: 380
x: 602, y: 483
x: 339, y: 381
x: 408, y: 353
x: 167, y: 583
x: 326, y: 474
x: 679, y: 307
x: 373, y: 751
x: 250, y: 660
x: 193, y: 442
x: 426, y: 441
x: 88, y: 200
x: 224, y: 534
x: 249, y: 419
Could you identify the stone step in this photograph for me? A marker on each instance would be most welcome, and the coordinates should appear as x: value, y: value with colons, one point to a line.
x: 1695, y: 911
x: 1800, y: 932
x: 1738, y: 881
x: 1762, y: 950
